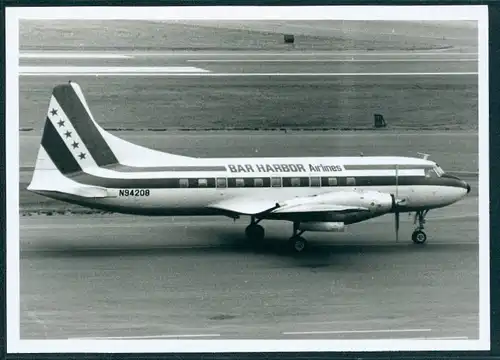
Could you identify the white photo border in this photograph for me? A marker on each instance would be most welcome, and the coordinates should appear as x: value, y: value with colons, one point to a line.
x: 436, y: 13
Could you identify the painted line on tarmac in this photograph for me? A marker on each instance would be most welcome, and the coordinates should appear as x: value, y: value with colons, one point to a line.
x: 355, y: 331
x: 98, y: 70
x: 50, y: 55
x: 129, y: 55
x: 324, y: 60
x: 300, y: 54
x: 139, y: 337
x: 205, y: 74
x: 440, y: 338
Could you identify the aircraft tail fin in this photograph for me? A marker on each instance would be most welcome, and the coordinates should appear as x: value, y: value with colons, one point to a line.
x: 74, y: 141
x: 71, y: 138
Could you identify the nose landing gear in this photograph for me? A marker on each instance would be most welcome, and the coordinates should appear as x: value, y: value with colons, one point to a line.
x: 418, y: 236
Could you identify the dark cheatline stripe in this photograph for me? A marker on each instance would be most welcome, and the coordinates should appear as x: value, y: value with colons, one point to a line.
x: 173, y: 183
x: 385, y: 167
x: 58, y: 151
x: 126, y: 168
x: 83, y: 124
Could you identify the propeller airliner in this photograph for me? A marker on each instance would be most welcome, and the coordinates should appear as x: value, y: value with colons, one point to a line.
x: 81, y: 163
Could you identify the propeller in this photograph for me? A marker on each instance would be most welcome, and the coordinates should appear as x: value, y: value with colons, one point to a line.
x: 396, y: 207
x: 396, y: 217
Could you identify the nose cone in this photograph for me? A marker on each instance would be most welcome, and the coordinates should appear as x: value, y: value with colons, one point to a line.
x: 458, y: 182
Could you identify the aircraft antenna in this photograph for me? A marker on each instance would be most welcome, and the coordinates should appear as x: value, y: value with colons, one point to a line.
x: 424, y: 155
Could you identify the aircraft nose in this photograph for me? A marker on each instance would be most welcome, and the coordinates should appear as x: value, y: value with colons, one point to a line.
x: 468, y: 188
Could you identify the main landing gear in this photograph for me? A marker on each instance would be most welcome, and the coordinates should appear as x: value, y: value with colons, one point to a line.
x: 256, y: 233
x: 419, y: 236
x: 297, y: 243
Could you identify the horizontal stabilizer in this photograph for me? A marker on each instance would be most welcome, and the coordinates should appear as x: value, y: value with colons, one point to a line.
x: 88, y: 192
x: 80, y: 191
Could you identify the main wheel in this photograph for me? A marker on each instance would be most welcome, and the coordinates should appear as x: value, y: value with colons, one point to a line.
x: 418, y: 237
x: 297, y: 244
x: 255, y: 232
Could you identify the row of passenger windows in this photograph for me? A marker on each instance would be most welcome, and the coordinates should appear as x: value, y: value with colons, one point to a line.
x: 265, y: 182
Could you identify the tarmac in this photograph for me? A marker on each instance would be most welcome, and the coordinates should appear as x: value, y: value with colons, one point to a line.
x: 119, y: 276
x: 114, y: 276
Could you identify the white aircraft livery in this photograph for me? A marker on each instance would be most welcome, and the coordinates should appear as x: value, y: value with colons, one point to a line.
x: 81, y: 163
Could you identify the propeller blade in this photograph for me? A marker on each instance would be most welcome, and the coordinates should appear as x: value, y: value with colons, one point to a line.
x: 396, y: 218
x: 396, y: 205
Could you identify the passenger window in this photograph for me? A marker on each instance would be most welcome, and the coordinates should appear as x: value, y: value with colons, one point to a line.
x: 240, y: 182
x: 183, y: 183
x: 295, y: 181
x: 276, y: 182
x: 202, y: 182
x: 315, y: 181
x: 258, y: 182
x: 332, y: 181
x: 221, y: 183
x: 350, y: 181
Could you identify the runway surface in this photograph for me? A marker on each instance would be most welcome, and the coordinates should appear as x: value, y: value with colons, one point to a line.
x: 123, y: 276
x: 119, y: 276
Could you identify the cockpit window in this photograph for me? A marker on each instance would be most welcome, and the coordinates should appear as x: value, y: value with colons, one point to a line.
x: 438, y: 170
x: 434, y: 172
x: 431, y: 173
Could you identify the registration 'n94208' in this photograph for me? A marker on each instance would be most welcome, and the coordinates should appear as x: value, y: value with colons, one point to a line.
x: 134, y: 192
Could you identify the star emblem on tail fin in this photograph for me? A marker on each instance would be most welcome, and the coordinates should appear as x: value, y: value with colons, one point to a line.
x: 82, y: 156
x: 75, y: 144
x: 53, y: 112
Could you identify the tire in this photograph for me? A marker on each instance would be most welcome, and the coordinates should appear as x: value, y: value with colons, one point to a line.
x: 297, y: 244
x: 255, y: 232
x: 419, y: 237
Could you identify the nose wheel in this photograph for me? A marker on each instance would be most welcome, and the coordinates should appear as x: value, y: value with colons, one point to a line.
x: 419, y: 237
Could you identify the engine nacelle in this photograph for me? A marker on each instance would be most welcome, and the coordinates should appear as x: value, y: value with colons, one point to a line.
x: 322, y: 226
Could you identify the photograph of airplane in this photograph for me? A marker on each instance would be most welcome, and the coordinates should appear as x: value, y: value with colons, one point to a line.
x: 79, y: 162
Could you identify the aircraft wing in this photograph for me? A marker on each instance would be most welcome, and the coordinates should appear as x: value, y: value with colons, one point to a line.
x: 309, y: 208
x: 253, y: 206
x: 245, y: 205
